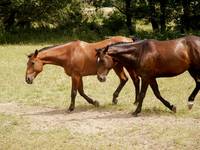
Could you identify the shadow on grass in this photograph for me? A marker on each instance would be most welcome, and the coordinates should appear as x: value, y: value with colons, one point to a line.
x: 101, y: 112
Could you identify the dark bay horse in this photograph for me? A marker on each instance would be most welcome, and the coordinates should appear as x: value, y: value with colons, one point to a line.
x: 152, y: 59
x: 78, y: 58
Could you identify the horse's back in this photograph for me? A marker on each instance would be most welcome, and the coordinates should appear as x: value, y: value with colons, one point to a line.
x: 166, y: 58
x: 194, y: 41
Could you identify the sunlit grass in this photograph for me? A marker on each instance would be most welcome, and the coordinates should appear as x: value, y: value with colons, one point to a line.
x: 52, y: 89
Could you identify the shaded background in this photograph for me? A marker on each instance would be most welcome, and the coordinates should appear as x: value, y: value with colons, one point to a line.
x: 57, y: 21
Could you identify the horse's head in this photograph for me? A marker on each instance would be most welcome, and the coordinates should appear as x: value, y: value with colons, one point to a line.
x: 34, y: 67
x: 123, y: 52
x: 104, y: 63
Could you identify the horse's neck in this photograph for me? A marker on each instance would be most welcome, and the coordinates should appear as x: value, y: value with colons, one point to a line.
x: 129, y: 59
x: 53, y: 56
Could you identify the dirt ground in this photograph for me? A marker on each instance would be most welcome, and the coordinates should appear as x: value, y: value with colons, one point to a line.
x: 94, y: 121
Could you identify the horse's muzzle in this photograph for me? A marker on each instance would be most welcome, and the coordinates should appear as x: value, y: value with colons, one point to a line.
x: 101, y: 78
x: 29, y: 80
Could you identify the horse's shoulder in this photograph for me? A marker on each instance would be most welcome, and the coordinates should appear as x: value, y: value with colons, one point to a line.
x: 79, y: 42
x: 79, y: 45
x: 120, y: 38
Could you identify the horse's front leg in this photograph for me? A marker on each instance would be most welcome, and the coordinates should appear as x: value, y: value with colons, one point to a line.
x: 136, y: 82
x: 123, y: 79
x: 142, y: 94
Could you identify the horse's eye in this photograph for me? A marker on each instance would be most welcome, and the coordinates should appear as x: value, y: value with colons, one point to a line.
x: 32, y: 63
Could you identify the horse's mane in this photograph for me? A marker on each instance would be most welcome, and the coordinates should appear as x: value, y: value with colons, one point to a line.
x: 126, y: 43
x: 46, y: 48
x: 119, y: 43
x: 43, y: 49
x: 135, y: 41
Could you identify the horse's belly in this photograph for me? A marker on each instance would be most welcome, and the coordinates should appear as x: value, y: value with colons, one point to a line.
x: 170, y: 72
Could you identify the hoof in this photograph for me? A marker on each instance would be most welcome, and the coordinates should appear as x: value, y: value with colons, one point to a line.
x: 174, y: 109
x: 190, y: 105
x: 96, y: 104
x: 115, y: 101
x: 135, y: 114
x: 70, y: 109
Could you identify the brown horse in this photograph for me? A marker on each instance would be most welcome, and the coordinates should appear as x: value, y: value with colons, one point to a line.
x: 78, y: 58
x: 152, y: 59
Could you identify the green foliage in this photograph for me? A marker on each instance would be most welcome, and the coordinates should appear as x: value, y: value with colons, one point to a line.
x: 22, y: 13
x: 115, y: 23
x: 48, y: 36
x: 22, y: 21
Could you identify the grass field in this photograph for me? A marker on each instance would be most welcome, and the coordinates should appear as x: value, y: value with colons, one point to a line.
x: 111, y: 127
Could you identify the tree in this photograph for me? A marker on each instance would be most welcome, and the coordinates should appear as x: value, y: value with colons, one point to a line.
x: 186, y: 15
x: 163, y: 4
x: 153, y: 16
x: 129, y: 16
x: 15, y: 13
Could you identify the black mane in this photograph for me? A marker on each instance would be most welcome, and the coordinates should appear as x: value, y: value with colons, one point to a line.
x: 119, y: 43
x: 126, y: 43
x: 43, y: 49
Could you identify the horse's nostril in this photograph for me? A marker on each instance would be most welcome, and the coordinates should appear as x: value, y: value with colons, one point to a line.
x: 28, y: 80
x: 101, y: 79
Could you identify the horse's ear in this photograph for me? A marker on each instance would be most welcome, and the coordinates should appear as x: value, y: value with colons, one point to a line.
x: 28, y: 55
x: 36, y: 53
x: 134, y: 39
x: 98, y: 50
x: 105, y: 49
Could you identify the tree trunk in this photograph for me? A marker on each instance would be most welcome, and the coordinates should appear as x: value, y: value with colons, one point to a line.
x: 9, y: 21
x: 152, y: 19
x: 163, y: 15
x: 129, y: 16
x: 186, y: 15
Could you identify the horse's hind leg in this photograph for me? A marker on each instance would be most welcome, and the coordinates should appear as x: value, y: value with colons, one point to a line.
x: 156, y: 91
x: 82, y: 93
x: 77, y: 84
x: 123, y: 79
x: 73, y: 93
x: 196, y: 89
